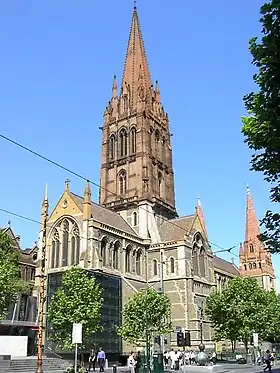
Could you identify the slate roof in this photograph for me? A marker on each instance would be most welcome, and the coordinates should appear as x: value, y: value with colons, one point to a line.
x: 224, y: 265
x: 105, y: 216
x: 176, y: 229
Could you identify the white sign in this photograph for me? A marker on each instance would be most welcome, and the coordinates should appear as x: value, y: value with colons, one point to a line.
x: 255, y: 339
x: 77, y: 333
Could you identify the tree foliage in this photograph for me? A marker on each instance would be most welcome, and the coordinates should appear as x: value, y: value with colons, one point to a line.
x: 243, y: 308
x: 78, y: 300
x: 262, y: 127
x: 10, y: 283
x: 145, y: 315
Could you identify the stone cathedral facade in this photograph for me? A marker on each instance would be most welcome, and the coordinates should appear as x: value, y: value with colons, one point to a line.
x: 134, y: 231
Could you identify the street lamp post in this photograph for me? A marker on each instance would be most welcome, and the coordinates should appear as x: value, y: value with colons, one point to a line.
x: 42, y: 295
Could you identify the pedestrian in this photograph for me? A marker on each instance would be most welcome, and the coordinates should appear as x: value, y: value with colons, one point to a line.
x: 137, y: 358
x: 92, y: 360
x: 214, y: 357
x: 131, y: 362
x: 165, y: 359
x: 172, y: 356
x: 267, y: 360
x: 101, y: 357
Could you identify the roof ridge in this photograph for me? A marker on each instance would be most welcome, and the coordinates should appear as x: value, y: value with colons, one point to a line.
x: 216, y: 256
x: 108, y: 210
x: 182, y: 217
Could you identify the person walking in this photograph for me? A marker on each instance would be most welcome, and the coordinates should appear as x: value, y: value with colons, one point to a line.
x: 92, y: 361
x: 267, y: 360
x: 101, y: 357
x: 131, y: 362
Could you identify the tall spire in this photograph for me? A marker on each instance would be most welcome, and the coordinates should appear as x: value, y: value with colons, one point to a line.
x: 136, y: 70
x: 200, y: 214
x: 255, y: 260
x: 252, y: 229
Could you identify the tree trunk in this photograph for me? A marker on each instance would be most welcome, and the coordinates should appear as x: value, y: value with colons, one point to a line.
x: 233, y: 346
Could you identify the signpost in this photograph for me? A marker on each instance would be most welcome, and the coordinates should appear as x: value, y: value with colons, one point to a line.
x: 77, y: 338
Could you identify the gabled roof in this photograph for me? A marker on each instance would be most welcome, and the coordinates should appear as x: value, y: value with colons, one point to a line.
x: 25, y: 256
x: 176, y: 229
x: 105, y: 216
x: 225, y: 266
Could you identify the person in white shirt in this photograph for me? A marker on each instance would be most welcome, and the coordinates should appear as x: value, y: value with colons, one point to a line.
x: 131, y: 362
x: 172, y: 356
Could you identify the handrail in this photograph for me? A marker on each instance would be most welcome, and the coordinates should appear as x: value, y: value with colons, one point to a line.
x: 54, y: 353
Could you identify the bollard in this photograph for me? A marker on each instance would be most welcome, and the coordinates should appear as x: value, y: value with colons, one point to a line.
x: 114, y: 368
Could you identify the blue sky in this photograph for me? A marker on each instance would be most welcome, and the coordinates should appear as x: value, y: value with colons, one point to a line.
x: 56, y: 68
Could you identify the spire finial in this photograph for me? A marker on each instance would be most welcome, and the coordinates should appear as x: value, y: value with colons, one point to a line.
x: 46, y: 192
x: 248, y: 189
x: 135, y: 4
x: 67, y: 182
x: 198, y: 200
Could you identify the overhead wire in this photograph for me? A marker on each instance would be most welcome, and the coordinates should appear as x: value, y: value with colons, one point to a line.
x: 62, y: 230
x: 78, y: 175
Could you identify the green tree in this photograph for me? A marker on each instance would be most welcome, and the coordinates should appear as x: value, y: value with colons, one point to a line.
x: 262, y: 127
x: 78, y: 300
x: 270, y: 316
x: 10, y: 283
x: 145, y: 315
x: 238, y: 310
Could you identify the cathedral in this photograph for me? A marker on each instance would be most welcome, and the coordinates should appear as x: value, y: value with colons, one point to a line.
x: 134, y: 236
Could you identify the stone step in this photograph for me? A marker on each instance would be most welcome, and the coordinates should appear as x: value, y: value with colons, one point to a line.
x: 28, y: 365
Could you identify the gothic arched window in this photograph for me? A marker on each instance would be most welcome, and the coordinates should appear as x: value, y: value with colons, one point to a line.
x: 251, y: 248
x: 55, y: 250
x: 122, y: 182
x: 75, y: 246
x: 135, y: 222
x: 160, y: 184
x: 116, y: 249
x: 195, y: 260
x: 127, y: 258
x: 65, y: 243
x: 155, y: 267
x: 138, y: 262
x: 172, y: 265
x: 123, y: 143
x: 133, y: 140
x: 112, y: 147
x: 103, y: 250
x: 202, y: 262
x: 52, y: 265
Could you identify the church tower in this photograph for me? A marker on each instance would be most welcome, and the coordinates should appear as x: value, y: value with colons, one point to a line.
x: 137, y: 177
x: 255, y: 259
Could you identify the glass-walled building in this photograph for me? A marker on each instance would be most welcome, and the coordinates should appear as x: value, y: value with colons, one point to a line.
x: 110, y: 313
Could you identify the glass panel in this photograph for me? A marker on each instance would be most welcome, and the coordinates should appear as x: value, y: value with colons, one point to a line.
x: 110, y: 314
